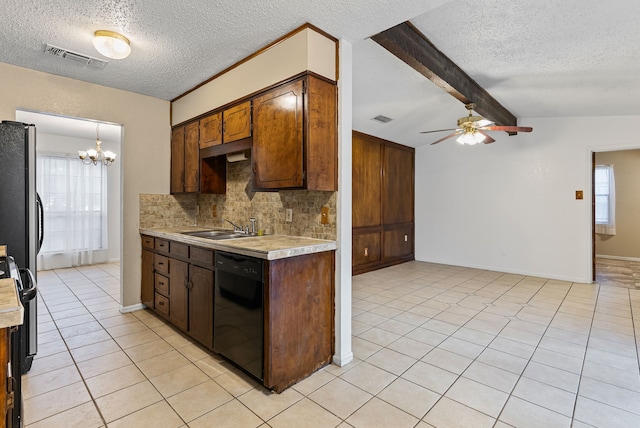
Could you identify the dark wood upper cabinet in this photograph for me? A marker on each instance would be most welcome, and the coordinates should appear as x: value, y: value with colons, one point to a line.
x: 211, y: 130
x: 397, y: 185
x: 294, y: 136
x: 237, y: 122
x: 226, y: 126
x: 191, y: 158
x: 278, y: 143
x: 177, y: 160
x: 185, y: 159
x: 291, y: 130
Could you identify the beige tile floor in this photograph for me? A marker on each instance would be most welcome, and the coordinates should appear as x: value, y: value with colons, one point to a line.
x: 434, y: 345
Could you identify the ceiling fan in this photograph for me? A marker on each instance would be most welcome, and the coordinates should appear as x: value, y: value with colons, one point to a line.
x: 471, y: 129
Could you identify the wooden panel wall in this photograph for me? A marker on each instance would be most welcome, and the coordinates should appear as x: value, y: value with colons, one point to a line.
x: 383, y: 203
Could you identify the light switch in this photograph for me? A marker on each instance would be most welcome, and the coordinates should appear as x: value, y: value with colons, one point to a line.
x: 579, y: 194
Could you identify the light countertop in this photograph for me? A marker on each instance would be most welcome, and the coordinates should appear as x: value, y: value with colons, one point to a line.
x: 268, y: 247
x: 11, y: 310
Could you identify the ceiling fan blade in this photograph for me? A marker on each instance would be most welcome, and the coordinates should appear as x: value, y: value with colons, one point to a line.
x: 440, y: 130
x: 444, y: 138
x: 507, y: 128
x: 487, y: 138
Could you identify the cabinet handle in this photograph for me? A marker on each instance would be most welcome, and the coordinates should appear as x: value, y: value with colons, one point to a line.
x: 189, y: 285
x: 160, y: 263
x: 160, y: 303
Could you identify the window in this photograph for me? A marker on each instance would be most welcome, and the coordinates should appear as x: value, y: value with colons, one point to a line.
x: 604, y: 187
x: 75, y: 208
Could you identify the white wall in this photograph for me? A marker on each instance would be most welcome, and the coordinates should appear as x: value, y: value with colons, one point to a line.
x: 145, y: 147
x: 510, y: 206
x: 63, y: 144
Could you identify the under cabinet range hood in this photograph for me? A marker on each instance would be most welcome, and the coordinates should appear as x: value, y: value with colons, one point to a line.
x: 240, y: 146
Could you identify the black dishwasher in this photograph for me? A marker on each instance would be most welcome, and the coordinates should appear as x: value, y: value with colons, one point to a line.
x: 238, y: 318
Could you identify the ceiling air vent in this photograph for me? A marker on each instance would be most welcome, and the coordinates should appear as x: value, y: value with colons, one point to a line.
x: 75, y: 56
x: 383, y: 119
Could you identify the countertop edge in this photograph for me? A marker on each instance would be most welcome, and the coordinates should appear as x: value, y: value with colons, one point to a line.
x: 11, y: 311
x: 268, y: 247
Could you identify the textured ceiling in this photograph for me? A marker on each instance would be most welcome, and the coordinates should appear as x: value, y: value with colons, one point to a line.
x: 538, y: 58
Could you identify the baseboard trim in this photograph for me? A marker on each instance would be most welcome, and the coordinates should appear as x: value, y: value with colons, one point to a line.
x: 629, y: 259
x: 131, y: 308
x: 342, y: 360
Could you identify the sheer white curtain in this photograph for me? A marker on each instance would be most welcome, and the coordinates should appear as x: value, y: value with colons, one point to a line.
x: 75, y: 210
x: 605, y: 191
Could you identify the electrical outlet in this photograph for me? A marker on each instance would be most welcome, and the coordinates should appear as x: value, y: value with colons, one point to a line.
x: 288, y: 215
x: 366, y: 251
x: 214, y: 211
x: 324, y: 215
x: 406, y: 238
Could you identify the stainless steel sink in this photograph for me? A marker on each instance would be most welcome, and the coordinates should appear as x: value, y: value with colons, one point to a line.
x: 217, y: 234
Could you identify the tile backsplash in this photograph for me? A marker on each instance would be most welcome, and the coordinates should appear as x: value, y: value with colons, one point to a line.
x: 240, y: 203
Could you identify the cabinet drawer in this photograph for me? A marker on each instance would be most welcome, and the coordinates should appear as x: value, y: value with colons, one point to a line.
x: 202, y: 256
x: 162, y: 305
x: 162, y: 245
x: 161, y: 263
x: 147, y: 242
x: 178, y: 249
x: 161, y: 284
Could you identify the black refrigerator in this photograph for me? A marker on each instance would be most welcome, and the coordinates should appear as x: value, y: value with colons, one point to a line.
x: 20, y: 211
x: 21, y: 222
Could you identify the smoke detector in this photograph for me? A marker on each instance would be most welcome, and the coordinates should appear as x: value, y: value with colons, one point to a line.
x: 75, y: 56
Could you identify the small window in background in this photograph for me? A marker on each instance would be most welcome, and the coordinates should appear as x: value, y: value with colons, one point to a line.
x: 604, y: 186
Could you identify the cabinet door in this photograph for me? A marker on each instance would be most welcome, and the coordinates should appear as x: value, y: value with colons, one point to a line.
x: 211, y: 130
x: 277, y: 154
x: 191, y: 158
x: 366, y: 248
x: 366, y: 182
x: 201, y: 305
x: 397, y: 186
x: 147, y: 279
x: 178, y: 293
x: 398, y: 243
x: 237, y: 122
x: 177, y: 160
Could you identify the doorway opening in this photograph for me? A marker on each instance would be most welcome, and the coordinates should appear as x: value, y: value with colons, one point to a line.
x: 82, y: 203
x: 616, y: 240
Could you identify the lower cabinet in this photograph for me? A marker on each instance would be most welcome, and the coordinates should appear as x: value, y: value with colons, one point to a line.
x: 298, y: 305
x: 201, y: 305
x: 180, y: 291
x: 299, y: 318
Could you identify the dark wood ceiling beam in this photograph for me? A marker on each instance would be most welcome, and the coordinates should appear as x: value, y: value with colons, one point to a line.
x: 411, y: 46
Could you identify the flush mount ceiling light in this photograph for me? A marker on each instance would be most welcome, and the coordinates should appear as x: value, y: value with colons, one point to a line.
x: 111, y: 44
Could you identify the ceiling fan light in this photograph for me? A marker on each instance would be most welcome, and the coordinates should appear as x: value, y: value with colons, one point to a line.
x: 111, y: 44
x: 470, y: 138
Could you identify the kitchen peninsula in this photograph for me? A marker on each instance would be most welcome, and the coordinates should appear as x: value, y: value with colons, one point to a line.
x: 297, y: 295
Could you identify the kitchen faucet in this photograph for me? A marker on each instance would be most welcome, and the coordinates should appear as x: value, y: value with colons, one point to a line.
x: 249, y: 230
x: 236, y: 228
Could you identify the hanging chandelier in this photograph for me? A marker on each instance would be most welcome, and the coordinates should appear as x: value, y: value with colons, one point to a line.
x: 95, y: 156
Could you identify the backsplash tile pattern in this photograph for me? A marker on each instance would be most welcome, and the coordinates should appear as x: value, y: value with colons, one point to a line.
x: 240, y: 204
x: 167, y: 210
